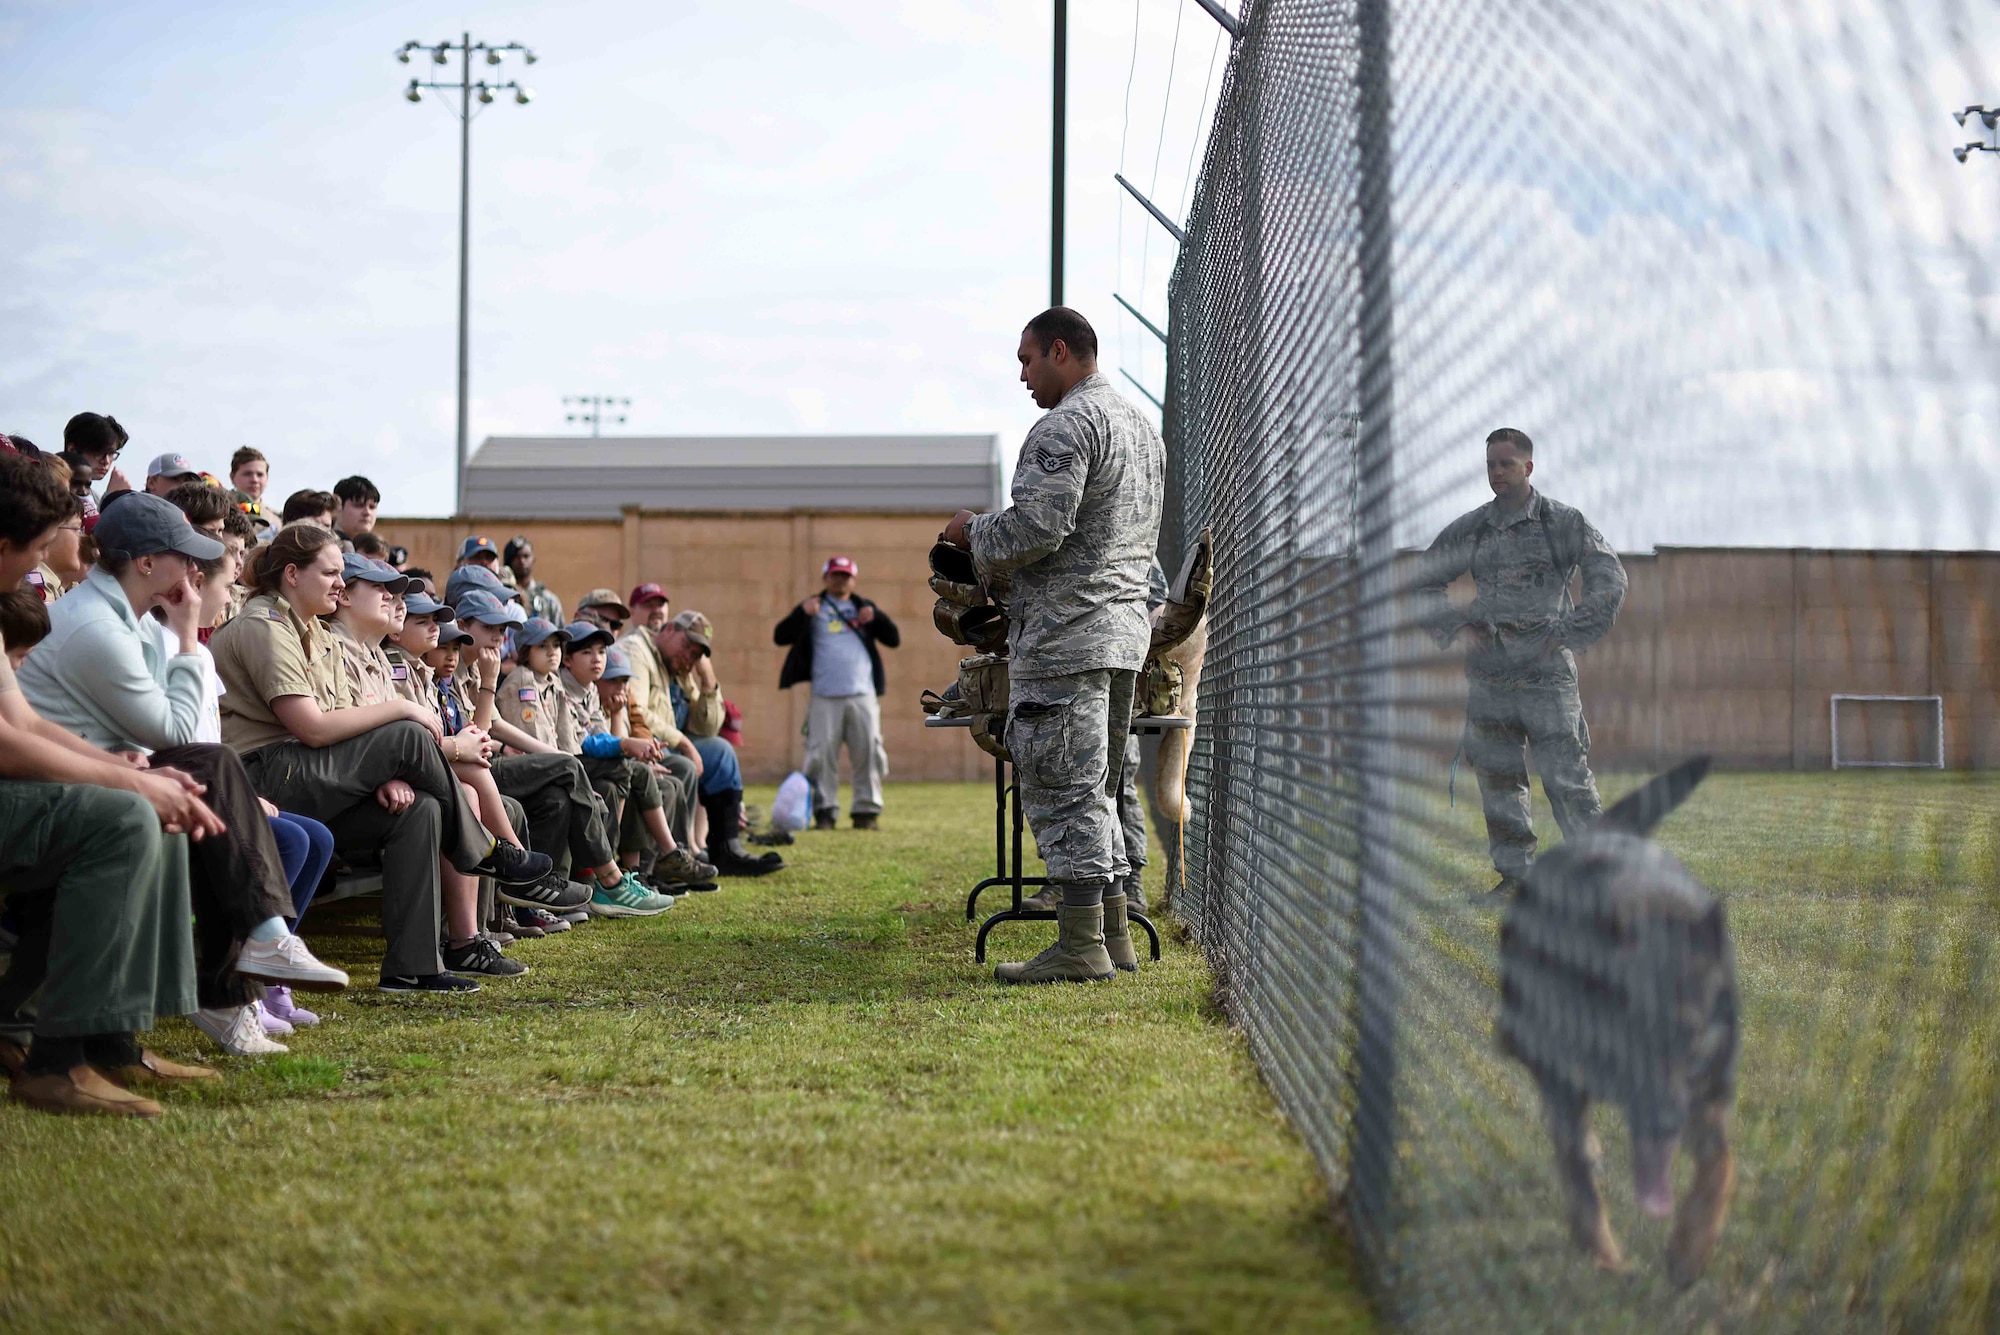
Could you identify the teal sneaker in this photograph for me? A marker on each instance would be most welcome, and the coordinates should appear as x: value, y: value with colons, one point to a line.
x: 628, y: 899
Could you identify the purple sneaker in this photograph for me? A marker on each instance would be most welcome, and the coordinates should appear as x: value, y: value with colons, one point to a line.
x: 278, y: 1005
x: 272, y: 1026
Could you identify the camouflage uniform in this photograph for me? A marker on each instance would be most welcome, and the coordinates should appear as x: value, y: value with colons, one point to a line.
x: 1522, y: 692
x: 1077, y: 543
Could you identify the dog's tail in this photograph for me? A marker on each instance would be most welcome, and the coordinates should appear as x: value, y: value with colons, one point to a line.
x: 1647, y: 805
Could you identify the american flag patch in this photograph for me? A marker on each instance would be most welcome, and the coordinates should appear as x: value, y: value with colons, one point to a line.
x: 528, y: 695
x: 399, y: 672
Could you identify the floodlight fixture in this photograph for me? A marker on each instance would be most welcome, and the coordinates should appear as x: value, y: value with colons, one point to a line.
x: 485, y: 93
x: 413, y: 92
x: 1959, y: 153
x: 522, y: 96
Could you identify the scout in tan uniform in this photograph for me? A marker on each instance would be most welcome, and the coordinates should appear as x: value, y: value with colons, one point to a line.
x: 373, y: 774
x: 371, y: 606
x: 565, y: 816
x: 672, y: 768
x: 640, y: 800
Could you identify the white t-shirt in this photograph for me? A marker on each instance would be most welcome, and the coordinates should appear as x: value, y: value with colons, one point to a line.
x: 209, y: 730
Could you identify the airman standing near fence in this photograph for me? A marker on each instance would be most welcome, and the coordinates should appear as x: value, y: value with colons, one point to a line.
x: 1522, y: 549
x: 1077, y: 543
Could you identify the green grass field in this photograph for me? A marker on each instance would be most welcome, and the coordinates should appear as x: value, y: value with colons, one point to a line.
x: 796, y: 1104
x: 1865, y: 909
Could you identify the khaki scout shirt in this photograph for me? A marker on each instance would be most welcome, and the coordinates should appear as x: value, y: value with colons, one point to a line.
x: 586, y: 711
x: 412, y: 677
x: 538, y: 706
x: 652, y: 706
x: 269, y: 652
x: 368, y: 668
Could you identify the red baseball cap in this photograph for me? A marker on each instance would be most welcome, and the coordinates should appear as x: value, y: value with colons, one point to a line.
x: 646, y: 593
x: 841, y: 565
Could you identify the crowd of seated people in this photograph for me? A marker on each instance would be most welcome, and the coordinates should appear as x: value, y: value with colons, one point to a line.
x: 211, y: 714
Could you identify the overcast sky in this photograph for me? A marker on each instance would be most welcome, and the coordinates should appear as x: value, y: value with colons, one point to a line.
x: 224, y: 225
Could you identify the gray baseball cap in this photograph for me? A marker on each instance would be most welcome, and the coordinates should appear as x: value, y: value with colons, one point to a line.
x: 476, y: 577
x: 582, y: 633
x: 616, y: 666
x: 478, y: 605
x: 356, y: 568
x: 420, y: 604
x: 171, y: 465
x: 146, y: 525
x: 536, y: 629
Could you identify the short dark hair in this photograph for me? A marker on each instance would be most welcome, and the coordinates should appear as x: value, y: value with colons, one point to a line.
x: 236, y: 524
x: 201, y: 503
x: 1507, y: 435
x: 94, y: 434
x: 22, y: 445
x: 24, y: 618
x: 370, y: 545
x: 1060, y: 322
x: 82, y: 472
x: 245, y: 454
x: 418, y: 572
x: 31, y: 500
x: 357, y: 489
x: 308, y: 504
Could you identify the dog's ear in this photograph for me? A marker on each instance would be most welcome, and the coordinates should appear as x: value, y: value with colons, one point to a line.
x: 1646, y: 806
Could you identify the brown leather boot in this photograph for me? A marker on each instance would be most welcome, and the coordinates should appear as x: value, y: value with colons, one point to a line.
x: 81, y: 1090
x: 152, y: 1067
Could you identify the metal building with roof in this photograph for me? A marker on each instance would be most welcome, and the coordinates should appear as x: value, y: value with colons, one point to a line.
x: 567, y: 477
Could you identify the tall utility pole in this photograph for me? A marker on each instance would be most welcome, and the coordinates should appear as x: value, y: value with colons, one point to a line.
x: 1056, y: 154
x: 466, y: 88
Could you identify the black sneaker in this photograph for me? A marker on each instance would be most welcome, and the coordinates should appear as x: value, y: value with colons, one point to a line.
x: 511, y: 864
x: 1500, y: 895
x: 483, y: 958
x: 865, y: 820
x: 728, y: 864
x: 555, y: 892
x: 826, y: 818
x: 425, y: 982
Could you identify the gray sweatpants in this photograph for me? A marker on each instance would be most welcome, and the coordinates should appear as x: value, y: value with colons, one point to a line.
x: 856, y: 722
x: 336, y: 785
x: 1063, y: 733
x: 1503, y: 724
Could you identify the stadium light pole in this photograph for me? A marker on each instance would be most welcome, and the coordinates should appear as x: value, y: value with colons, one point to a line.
x: 1057, y: 171
x: 592, y: 408
x: 467, y: 89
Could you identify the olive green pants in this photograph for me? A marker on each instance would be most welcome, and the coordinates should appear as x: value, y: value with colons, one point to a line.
x: 101, y: 899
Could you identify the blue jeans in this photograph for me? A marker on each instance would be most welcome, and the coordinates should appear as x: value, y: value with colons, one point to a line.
x: 719, y: 771
x: 305, y: 847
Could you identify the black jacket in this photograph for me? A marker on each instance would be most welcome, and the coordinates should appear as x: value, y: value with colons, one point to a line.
x: 796, y: 630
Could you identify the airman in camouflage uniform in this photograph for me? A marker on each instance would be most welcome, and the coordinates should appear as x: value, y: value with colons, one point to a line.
x: 1522, y: 550
x: 1076, y: 544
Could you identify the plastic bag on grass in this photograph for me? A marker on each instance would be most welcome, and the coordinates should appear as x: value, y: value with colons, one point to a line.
x: 793, y: 808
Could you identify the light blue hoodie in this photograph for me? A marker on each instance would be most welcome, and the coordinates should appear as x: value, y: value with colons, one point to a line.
x: 103, y: 676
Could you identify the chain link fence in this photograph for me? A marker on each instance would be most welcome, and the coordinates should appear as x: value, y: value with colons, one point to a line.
x: 1718, y: 261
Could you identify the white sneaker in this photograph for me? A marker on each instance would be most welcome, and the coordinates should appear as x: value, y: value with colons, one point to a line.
x: 287, y: 961
x: 237, y: 1029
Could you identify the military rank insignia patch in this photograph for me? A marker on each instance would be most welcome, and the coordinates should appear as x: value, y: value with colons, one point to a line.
x: 1052, y: 461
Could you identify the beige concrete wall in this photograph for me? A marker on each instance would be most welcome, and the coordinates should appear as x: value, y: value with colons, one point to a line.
x: 745, y: 571
x: 1738, y: 652
x: 1730, y: 651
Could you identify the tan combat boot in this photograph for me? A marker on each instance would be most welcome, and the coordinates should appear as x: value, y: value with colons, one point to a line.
x: 1078, y: 956
x: 1118, y: 934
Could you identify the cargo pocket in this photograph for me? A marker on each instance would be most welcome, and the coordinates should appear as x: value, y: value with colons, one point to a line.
x: 1038, y: 739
